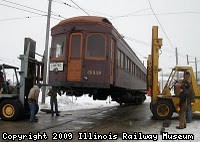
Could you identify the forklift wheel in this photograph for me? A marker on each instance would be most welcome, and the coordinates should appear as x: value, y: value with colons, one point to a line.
x: 162, y: 110
x: 10, y: 110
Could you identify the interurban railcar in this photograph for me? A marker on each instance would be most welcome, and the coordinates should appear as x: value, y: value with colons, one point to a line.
x: 89, y: 56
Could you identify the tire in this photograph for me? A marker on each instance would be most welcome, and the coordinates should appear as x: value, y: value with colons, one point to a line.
x: 162, y: 110
x: 10, y: 110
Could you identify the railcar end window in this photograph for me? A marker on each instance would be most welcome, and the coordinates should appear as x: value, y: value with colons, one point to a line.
x: 76, y: 46
x: 58, y: 46
x: 96, y: 46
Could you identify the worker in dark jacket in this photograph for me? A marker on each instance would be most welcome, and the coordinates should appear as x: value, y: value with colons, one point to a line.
x: 53, y: 100
x: 190, y: 97
x: 183, y: 104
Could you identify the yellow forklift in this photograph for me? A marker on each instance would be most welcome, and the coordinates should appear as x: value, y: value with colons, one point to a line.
x: 165, y: 103
x: 14, y: 102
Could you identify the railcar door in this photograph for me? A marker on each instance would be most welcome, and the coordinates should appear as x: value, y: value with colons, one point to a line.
x: 75, y: 57
x: 112, y: 51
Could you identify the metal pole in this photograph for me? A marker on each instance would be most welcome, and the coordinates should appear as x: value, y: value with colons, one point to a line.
x: 46, y: 53
x: 187, y: 60
x: 176, y: 56
x: 177, y: 62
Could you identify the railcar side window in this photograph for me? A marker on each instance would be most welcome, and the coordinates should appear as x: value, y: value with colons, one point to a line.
x: 58, y: 46
x: 118, y: 57
x: 95, y: 46
x: 134, y: 69
x: 131, y: 67
x: 122, y: 58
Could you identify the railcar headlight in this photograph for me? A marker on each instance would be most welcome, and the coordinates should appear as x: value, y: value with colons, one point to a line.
x: 55, y: 70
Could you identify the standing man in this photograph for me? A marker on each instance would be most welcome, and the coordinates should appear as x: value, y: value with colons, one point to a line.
x: 190, y: 97
x: 53, y: 100
x: 33, y: 101
x: 183, y: 104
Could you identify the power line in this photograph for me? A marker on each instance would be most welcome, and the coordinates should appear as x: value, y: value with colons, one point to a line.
x: 95, y: 12
x: 21, y: 9
x: 19, y: 18
x: 138, y: 41
x: 184, y: 12
x: 71, y: 6
x: 80, y: 8
x: 127, y: 15
x: 40, y: 11
x: 25, y: 6
x: 160, y: 24
x: 58, y: 15
x: 168, y: 13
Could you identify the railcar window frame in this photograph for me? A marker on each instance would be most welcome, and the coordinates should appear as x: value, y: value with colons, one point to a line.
x: 105, y: 48
x: 80, y: 46
x: 53, y: 52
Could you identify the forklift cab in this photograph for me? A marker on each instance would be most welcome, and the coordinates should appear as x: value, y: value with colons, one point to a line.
x: 178, y: 74
x: 5, y: 85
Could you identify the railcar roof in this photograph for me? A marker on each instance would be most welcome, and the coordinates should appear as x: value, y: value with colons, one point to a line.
x: 94, y: 19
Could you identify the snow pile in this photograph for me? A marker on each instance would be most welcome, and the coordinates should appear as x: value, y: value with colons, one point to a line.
x: 84, y: 102
x: 73, y: 103
x: 148, y: 99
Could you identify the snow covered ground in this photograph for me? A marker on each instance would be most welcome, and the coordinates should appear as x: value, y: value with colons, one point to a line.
x: 71, y: 103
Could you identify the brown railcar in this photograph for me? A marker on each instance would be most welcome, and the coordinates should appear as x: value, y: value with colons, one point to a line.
x: 89, y: 56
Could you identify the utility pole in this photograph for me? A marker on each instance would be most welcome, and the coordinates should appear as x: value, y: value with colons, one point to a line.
x: 187, y: 60
x: 177, y: 61
x: 46, y: 53
x: 195, y: 62
x: 176, y: 56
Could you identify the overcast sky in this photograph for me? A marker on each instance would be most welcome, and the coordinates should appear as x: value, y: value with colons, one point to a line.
x: 134, y: 19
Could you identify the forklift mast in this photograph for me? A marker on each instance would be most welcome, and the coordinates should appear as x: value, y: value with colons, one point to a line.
x: 31, y: 70
x: 152, y: 65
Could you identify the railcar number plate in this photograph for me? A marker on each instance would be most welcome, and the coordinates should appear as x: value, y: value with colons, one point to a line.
x: 56, y: 65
